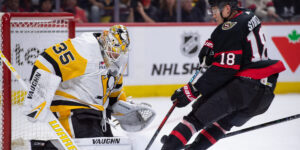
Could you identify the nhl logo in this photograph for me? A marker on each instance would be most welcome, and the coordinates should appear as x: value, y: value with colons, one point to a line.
x: 190, y: 45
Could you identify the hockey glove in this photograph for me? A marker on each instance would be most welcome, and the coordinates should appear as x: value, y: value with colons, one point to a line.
x: 185, y: 95
x: 207, y: 53
x: 132, y: 116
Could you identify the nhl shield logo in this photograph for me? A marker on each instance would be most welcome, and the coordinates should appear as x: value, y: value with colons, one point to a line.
x: 190, y: 45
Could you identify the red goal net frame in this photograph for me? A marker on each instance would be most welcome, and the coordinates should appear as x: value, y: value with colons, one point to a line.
x: 6, y: 99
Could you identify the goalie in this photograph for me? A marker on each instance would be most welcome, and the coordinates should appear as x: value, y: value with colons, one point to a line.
x: 81, y: 80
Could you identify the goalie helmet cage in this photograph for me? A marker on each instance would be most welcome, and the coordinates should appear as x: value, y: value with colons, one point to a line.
x: 23, y: 37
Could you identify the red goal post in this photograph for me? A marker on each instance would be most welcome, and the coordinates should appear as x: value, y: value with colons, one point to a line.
x: 23, y: 37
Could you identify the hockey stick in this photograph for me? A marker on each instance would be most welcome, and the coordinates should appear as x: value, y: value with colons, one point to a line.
x: 161, y: 125
x: 262, y: 125
x: 169, y: 113
x: 62, y: 136
x: 258, y: 126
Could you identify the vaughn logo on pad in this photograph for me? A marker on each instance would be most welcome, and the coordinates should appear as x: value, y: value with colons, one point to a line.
x: 107, y: 141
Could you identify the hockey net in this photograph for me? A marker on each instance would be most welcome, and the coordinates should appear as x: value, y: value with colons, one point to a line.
x: 23, y: 37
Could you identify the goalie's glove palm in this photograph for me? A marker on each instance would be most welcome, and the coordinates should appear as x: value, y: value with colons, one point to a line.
x: 132, y: 116
x: 185, y: 95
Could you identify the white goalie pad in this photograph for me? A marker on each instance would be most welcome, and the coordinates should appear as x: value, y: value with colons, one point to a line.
x: 40, y: 94
x: 94, y: 143
x: 132, y: 116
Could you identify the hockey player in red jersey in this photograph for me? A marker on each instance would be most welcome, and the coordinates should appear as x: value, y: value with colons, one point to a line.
x: 237, y: 85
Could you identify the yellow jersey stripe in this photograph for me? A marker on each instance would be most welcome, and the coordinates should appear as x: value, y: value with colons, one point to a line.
x: 60, y: 108
x: 41, y: 66
x: 64, y: 94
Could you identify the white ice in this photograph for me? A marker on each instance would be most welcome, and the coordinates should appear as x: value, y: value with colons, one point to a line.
x: 282, y: 136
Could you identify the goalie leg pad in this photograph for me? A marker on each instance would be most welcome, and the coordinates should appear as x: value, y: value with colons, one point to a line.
x: 39, y: 144
x: 133, y: 117
x: 40, y: 93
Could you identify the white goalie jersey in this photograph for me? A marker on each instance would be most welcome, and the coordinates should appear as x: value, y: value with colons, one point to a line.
x: 86, y: 83
x: 83, y: 73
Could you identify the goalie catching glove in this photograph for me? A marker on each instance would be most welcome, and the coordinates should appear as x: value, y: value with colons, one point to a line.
x: 40, y: 94
x: 132, y: 116
x: 185, y: 95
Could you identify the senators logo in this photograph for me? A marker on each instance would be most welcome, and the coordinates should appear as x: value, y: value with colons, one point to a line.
x: 289, y: 47
x: 228, y: 25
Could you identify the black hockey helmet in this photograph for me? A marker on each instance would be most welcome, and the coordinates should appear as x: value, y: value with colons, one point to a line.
x: 222, y: 3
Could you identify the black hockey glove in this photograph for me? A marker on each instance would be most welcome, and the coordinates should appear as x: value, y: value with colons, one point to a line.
x: 185, y: 95
x: 207, y: 53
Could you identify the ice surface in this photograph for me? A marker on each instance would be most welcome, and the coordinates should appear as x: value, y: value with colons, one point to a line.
x: 283, y: 136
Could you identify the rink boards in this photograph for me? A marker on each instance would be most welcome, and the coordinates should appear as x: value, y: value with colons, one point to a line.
x: 164, y: 56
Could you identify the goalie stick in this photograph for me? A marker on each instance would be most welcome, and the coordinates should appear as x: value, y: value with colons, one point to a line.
x: 263, y: 125
x: 62, y: 136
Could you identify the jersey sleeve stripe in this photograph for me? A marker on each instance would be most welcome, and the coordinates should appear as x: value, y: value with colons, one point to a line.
x: 61, y: 106
x: 53, y: 62
x: 46, y: 63
x: 64, y: 94
x: 41, y: 66
x: 33, y: 71
x: 237, y: 52
x: 67, y: 103
x: 236, y: 67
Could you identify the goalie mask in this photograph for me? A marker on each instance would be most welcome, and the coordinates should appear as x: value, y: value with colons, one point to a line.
x: 115, y: 44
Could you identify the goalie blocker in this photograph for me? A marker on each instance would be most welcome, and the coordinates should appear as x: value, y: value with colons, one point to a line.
x: 40, y: 95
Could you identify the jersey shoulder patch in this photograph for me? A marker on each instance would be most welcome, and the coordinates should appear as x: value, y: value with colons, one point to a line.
x: 228, y: 25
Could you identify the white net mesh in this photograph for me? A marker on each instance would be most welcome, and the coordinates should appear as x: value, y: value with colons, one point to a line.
x: 29, y: 37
